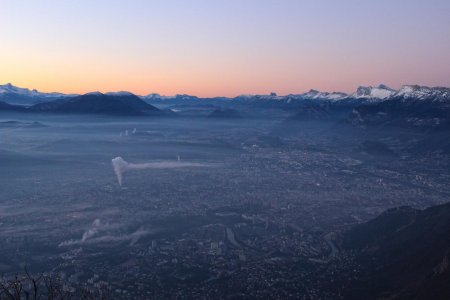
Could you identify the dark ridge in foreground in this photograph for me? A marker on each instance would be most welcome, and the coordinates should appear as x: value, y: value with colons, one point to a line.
x: 404, y: 254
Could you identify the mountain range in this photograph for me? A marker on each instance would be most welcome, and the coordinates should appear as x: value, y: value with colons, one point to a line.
x: 22, y: 96
x: 15, y: 95
x: 412, y: 106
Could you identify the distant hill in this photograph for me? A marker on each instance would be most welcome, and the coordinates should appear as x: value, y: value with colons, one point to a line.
x: 8, y: 107
x: 98, y: 103
x: 404, y: 254
x: 18, y: 124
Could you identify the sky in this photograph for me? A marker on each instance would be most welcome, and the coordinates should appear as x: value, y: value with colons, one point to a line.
x: 223, y: 47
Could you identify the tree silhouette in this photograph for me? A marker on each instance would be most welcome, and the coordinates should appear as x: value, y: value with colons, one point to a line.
x: 47, y: 286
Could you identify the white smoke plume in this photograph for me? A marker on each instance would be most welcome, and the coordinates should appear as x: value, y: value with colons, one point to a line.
x: 91, y: 231
x: 133, y: 238
x: 100, y: 232
x: 121, y: 166
x: 127, y: 132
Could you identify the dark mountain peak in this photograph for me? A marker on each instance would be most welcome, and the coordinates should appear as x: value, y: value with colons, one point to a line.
x: 405, y: 251
x: 96, y: 93
x: 120, y: 93
x: 99, y: 103
x: 385, y: 87
x: 363, y: 90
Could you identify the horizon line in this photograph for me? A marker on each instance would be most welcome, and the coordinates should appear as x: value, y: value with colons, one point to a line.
x: 221, y: 96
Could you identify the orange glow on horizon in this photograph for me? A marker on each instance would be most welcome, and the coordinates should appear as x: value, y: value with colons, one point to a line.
x: 222, y: 48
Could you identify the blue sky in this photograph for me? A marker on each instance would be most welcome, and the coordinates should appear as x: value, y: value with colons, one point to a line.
x: 223, y: 47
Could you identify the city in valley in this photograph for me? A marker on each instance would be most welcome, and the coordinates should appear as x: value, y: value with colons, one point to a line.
x: 197, y: 206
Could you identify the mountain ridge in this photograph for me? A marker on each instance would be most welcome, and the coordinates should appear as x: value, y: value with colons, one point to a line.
x: 98, y: 103
x: 16, y: 95
x: 405, y: 251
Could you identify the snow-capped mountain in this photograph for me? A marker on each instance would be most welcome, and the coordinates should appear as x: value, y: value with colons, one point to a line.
x: 15, y: 95
x: 380, y: 92
x: 314, y: 94
x: 120, y: 93
x: 415, y: 92
x: 158, y: 97
x: 311, y: 95
x: 364, y: 94
x: 412, y: 106
x: 11, y: 89
x: 423, y: 93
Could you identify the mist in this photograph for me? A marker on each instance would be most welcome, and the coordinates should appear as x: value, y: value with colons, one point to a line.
x: 192, y: 192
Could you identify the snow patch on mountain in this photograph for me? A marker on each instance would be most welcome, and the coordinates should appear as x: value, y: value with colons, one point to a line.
x: 314, y: 94
x: 22, y: 96
x: 14, y: 90
x: 379, y: 92
x: 120, y: 93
